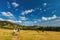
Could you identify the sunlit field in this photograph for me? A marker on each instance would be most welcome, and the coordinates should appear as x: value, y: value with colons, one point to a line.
x: 29, y: 35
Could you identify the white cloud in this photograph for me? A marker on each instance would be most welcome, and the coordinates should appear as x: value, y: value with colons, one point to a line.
x: 15, y: 4
x: 35, y: 21
x: 20, y: 21
x: 23, y: 18
x: 27, y: 11
x: 54, y: 17
x: 44, y: 4
x: 14, y: 21
x: 1, y: 19
x: 49, y: 18
x: 9, y: 14
x: 28, y: 23
x: 44, y: 18
x: 11, y: 20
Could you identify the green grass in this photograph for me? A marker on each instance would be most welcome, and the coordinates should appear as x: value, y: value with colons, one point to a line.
x: 6, y: 38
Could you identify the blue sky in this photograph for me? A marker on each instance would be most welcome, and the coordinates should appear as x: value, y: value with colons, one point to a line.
x: 31, y: 12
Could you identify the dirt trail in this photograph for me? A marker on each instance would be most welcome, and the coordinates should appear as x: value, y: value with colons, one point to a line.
x: 15, y: 38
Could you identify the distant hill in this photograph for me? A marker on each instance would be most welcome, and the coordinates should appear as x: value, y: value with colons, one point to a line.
x: 8, y: 25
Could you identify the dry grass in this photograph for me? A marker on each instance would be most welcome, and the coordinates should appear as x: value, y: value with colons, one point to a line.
x: 33, y: 35
x: 30, y: 35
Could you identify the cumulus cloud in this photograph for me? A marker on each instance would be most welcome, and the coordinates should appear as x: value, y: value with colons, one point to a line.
x: 9, y: 14
x: 27, y: 11
x: 1, y: 19
x: 44, y: 4
x: 23, y: 18
x: 15, y: 21
x: 49, y: 18
x: 54, y: 17
x: 44, y: 18
x: 15, y: 4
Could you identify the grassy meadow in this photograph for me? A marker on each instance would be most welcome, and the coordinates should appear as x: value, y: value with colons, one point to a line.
x: 6, y: 34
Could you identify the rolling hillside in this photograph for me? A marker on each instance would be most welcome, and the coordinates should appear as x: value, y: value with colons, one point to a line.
x: 9, y: 25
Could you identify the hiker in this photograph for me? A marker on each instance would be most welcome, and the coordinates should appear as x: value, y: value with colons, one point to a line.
x: 15, y: 32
